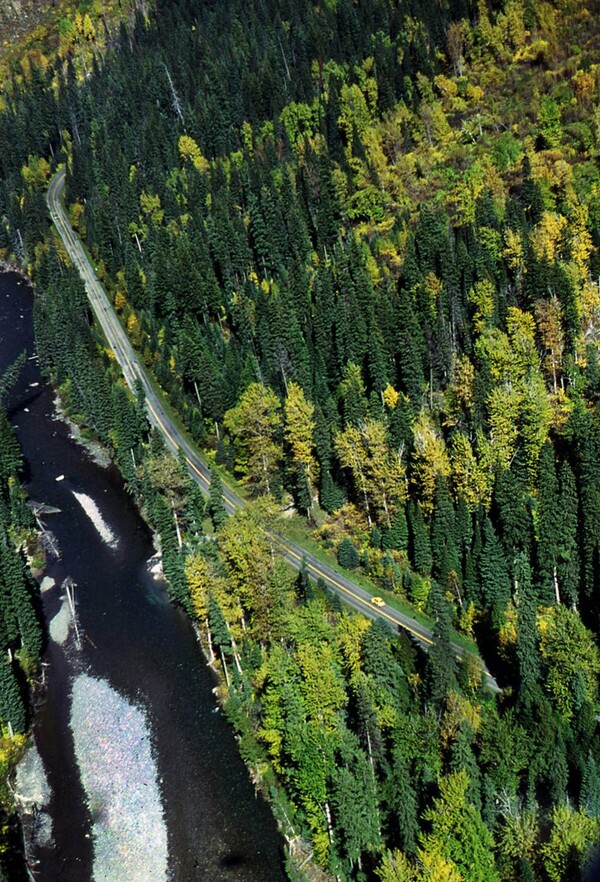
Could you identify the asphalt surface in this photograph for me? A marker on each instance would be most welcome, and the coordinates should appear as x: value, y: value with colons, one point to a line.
x: 117, y: 339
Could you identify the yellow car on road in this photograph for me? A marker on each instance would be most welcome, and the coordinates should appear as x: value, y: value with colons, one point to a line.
x: 378, y: 601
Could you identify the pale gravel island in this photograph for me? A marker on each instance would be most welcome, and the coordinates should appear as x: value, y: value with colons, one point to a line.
x: 119, y: 775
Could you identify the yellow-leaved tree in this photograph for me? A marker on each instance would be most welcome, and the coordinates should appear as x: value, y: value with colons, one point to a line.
x: 430, y: 459
x: 190, y: 151
x: 377, y: 473
x: 253, y: 424
x: 299, y: 430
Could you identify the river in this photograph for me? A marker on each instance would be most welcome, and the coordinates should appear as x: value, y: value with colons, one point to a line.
x: 139, y: 661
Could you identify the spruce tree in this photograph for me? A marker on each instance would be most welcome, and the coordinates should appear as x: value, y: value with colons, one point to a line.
x: 589, y: 799
x: 302, y: 583
x: 420, y: 544
x: 396, y: 537
x: 400, y: 804
x: 568, y: 563
x: 12, y: 706
x: 440, y: 665
x: 511, y: 500
x: 347, y: 555
x: 218, y: 626
x: 493, y: 576
x: 444, y: 549
x: 549, y: 526
x: 527, y: 651
x: 331, y: 496
x: 216, y: 505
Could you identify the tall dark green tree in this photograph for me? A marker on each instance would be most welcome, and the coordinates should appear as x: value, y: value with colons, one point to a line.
x: 549, y: 526
x: 527, y: 649
x: 216, y: 505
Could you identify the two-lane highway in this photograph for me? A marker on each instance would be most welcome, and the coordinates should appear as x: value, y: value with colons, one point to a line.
x: 117, y: 339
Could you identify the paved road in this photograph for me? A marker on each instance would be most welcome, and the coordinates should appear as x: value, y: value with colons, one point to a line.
x: 350, y: 592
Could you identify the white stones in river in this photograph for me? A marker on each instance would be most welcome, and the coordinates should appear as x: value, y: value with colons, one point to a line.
x: 46, y: 584
x: 93, y: 513
x: 119, y: 775
x: 32, y: 795
x: 60, y: 624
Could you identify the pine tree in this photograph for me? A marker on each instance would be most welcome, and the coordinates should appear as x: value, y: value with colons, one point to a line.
x: 400, y: 802
x: 527, y: 651
x: 216, y: 505
x: 549, y: 525
x: 440, y: 664
x: 420, y: 544
x: 302, y: 583
x: 397, y: 536
x: 347, y: 555
x: 589, y: 799
x: 568, y: 564
x: 493, y: 575
x: 12, y: 706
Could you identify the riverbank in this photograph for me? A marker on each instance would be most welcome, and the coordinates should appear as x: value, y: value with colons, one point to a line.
x: 144, y: 649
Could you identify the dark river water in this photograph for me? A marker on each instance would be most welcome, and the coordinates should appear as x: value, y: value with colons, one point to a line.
x: 133, y: 638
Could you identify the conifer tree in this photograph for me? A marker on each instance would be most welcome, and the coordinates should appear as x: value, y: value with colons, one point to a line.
x: 397, y: 536
x: 400, y: 801
x: 347, y: 555
x: 527, y: 632
x: 443, y: 542
x: 12, y: 706
x: 215, y: 505
x: 493, y: 575
x: 549, y: 526
x: 568, y: 564
x: 440, y: 664
x: 420, y: 544
x: 302, y: 583
x: 589, y: 799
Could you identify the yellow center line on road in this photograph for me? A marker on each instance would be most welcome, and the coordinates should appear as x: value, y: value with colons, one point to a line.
x: 356, y: 597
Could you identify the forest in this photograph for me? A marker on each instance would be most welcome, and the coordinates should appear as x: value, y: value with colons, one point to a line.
x: 358, y: 247
x: 21, y: 631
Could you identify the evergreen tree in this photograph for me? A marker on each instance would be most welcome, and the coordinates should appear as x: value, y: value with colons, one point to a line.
x: 511, y: 498
x: 302, y: 583
x: 355, y: 807
x: 216, y: 505
x: 443, y: 543
x: 218, y: 626
x: 12, y: 706
x: 549, y: 524
x: 527, y: 632
x: 440, y: 664
x: 397, y: 536
x: 420, y: 544
x: 568, y: 564
x: 400, y: 802
x: 331, y: 496
x: 493, y: 575
x: 347, y: 555
x: 589, y: 799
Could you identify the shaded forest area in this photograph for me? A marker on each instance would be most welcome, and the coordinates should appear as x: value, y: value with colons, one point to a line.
x: 21, y: 632
x: 358, y: 246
